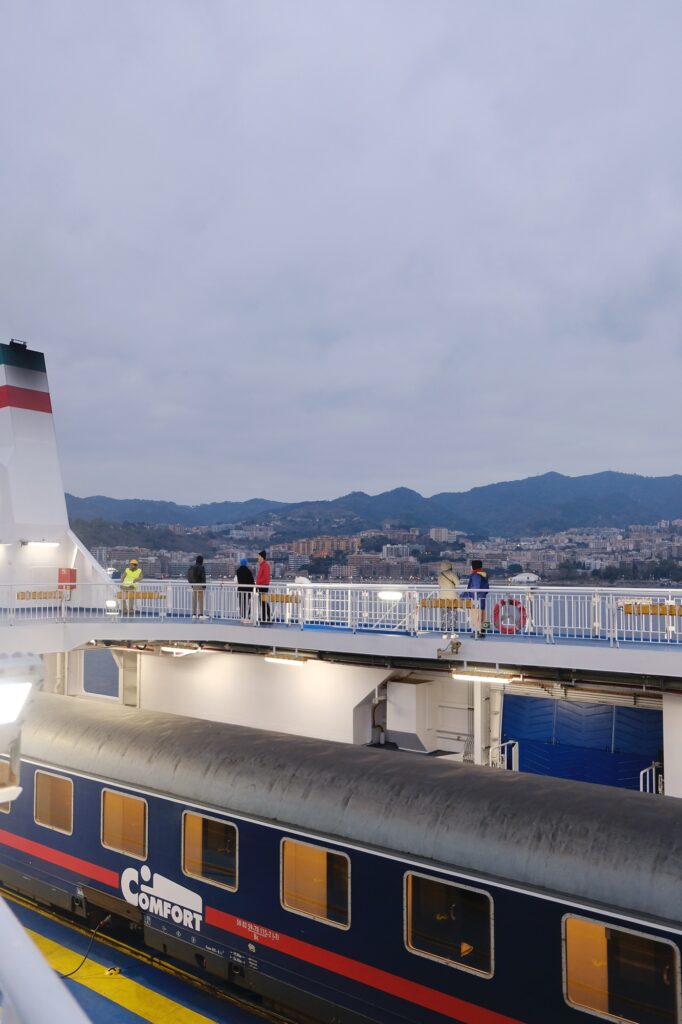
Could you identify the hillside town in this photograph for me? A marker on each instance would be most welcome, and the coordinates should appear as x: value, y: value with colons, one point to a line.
x: 407, y: 554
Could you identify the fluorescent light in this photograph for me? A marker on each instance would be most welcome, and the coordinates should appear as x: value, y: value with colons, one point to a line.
x: 179, y: 652
x: 40, y: 543
x: 390, y: 595
x: 13, y: 696
x: 282, y: 659
x: 465, y: 677
x: 8, y: 794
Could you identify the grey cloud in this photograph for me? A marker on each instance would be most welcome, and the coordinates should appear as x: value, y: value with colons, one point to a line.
x: 292, y: 249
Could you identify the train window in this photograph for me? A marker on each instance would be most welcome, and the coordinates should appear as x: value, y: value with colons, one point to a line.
x: 53, y: 805
x: 124, y: 823
x: 620, y: 974
x: 449, y: 922
x: 316, y: 882
x: 209, y: 850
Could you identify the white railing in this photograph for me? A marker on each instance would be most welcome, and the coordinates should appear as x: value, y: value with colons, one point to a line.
x: 505, y: 755
x: 651, y: 779
x: 30, y: 991
x: 552, y: 614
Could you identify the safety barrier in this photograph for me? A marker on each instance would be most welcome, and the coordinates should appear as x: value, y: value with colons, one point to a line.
x: 551, y: 614
x: 30, y: 991
x: 651, y: 779
x: 505, y: 756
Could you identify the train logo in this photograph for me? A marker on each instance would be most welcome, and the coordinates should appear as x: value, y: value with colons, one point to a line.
x: 164, y: 897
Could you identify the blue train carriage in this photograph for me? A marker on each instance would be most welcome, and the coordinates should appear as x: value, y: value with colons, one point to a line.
x: 352, y: 885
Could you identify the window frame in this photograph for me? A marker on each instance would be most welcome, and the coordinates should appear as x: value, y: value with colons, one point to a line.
x: 202, y: 878
x: 303, y: 913
x: 487, y: 975
x: 53, y: 775
x: 619, y: 928
x: 115, y: 849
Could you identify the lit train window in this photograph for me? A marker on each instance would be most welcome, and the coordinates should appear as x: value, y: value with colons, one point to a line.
x: 53, y: 805
x: 5, y: 780
x: 619, y: 974
x: 209, y: 850
x: 449, y: 922
x: 124, y: 823
x: 316, y: 882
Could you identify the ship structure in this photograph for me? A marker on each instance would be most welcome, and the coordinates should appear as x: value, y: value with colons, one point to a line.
x: 337, y: 798
x: 583, y: 683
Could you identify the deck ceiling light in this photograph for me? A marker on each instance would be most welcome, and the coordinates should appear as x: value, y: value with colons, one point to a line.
x: 286, y: 659
x: 13, y: 696
x: 470, y: 677
x: 179, y: 652
x: 18, y: 673
x: 39, y: 543
x: 390, y: 595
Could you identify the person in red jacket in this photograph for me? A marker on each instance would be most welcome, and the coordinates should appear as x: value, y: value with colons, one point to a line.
x: 263, y: 585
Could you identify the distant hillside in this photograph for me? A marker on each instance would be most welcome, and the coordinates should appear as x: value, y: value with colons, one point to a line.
x: 141, y: 510
x: 538, y: 504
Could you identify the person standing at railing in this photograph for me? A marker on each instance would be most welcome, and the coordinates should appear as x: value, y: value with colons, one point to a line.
x: 245, y: 582
x: 263, y: 585
x: 448, y: 588
x: 477, y: 591
x: 196, y: 576
x: 132, y: 574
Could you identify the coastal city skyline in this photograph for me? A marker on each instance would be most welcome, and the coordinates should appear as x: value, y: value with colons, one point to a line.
x: 603, y: 555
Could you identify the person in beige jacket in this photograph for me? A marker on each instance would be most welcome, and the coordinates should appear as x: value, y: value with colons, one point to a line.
x: 448, y: 589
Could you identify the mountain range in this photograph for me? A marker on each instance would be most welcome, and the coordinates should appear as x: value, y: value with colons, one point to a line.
x: 538, y: 504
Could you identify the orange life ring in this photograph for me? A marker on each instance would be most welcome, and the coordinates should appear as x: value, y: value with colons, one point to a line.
x: 503, y: 621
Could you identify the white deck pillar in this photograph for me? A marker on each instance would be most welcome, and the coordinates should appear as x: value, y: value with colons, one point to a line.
x: 672, y: 748
x: 481, y: 722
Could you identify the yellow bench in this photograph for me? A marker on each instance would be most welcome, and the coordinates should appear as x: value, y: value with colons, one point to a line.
x: 446, y: 602
x: 653, y: 609
x: 281, y: 598
x: 140, y: 595
x: 38, y: 595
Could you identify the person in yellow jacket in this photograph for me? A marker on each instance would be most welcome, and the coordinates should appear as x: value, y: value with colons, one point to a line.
x: 132, y: 574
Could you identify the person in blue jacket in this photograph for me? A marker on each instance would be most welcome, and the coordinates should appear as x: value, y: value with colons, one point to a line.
x: 477, y: 591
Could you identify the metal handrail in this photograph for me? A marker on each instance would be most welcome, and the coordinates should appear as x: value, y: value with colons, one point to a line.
x: 497, y: 755
x: 651, y: 779
x: 30, y: 991
x: 616, y: 616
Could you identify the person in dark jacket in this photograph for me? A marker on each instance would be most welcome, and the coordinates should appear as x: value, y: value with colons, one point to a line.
x: 477, y: 591
x: 245, y: 582
x: 196, y: 576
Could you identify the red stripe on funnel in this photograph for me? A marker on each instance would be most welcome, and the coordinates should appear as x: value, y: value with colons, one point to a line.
x: 24, y: 398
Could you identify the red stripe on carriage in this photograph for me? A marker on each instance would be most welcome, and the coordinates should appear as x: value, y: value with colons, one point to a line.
x: 63, y: 860
x: 392, y: 984
x: 24, y: 398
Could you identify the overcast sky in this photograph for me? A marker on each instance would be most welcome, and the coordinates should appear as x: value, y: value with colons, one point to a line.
x: 293, y: 248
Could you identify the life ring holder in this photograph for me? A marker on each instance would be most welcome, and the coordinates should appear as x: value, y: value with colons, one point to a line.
x: 520, y: 616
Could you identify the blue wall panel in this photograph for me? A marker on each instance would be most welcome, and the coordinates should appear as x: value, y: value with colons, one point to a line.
x: 584, y: 725
x: 529, y: 717
x: 586, y: 742
x: 639, y: 731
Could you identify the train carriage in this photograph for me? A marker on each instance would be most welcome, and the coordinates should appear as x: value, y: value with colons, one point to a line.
x: 351, y: 885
